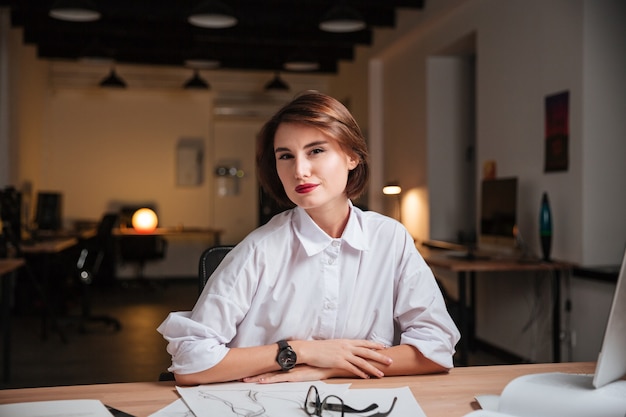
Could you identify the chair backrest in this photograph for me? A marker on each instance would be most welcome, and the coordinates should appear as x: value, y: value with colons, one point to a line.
x: 93, y: 250
x: 209, y: 261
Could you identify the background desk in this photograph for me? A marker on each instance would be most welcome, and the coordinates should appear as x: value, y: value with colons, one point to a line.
x: 177, y: 257
x: 44, y: 253
x: 8, y: 268
x: 441, y: 395
x: 193, y: 232
x: 464, y: 268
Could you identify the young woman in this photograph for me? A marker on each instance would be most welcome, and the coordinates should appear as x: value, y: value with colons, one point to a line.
x: 323, y: 289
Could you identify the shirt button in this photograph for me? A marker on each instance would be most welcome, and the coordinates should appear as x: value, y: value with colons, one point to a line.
x: 331, y: 261
x: 336, y: 243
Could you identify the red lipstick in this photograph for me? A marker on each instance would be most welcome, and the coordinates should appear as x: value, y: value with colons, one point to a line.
x: 305, y: 188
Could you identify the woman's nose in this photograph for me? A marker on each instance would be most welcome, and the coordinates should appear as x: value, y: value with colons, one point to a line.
x: 302, y: 167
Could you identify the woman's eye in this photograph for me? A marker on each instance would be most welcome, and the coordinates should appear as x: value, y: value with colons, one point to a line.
x: 284, y: 156
x: 317, y: 150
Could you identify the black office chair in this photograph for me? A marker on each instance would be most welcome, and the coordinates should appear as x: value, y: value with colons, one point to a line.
x: 93, y: 252
x: 209, y: 261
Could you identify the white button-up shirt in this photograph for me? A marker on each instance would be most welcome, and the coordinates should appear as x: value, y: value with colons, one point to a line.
x: 290, y: 280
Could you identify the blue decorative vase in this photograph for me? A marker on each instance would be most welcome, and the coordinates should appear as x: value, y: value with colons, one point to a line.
x: 545, y: 227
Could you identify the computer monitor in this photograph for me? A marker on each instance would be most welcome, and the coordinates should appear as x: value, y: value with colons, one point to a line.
x: 612, y: 357
x: 49, y: 212
x: 498, y: 213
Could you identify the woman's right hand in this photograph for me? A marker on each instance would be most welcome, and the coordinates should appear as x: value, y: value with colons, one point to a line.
x: 350, y: 356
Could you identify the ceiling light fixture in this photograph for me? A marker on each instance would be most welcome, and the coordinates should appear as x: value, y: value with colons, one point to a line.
x: 212, y: 14
x: 74, y: 11
x: 342, y: 19
x: 196, y: 82
x: 301, y: 64
x: 277, y: 84
x: 113, y: 81
x: 199, y: 63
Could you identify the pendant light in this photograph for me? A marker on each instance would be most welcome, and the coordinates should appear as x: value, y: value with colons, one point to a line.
x: 74, y: 11
x: 342, y: 19
x: 196, y: 82
x: 301, y: 63
x: 113, y: 81
x: 277, y: 84
x: 212, y: 14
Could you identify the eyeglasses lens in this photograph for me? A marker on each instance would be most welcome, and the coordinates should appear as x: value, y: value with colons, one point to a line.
x: 312, y: 404
x: 332, y: 406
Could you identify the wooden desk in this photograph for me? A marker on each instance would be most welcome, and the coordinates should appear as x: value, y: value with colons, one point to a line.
x: 51, y: 246
x: 442, y: 395
x: 466, y: 268
x: 191, y: 232
x: 8, y: 270
x: 47, y: 250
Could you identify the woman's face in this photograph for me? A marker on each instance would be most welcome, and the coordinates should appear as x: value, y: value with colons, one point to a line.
x: 311, y: 166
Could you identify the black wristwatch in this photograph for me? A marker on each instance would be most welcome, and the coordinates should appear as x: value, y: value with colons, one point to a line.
x: 286, y: 357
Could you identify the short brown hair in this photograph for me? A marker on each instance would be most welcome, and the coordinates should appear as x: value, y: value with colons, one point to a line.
x: 332, y: 118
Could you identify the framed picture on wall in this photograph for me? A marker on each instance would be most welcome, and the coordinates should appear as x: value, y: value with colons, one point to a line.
x: 557, y: 132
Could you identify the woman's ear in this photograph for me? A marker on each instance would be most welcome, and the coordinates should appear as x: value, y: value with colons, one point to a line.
x: 352, y: 163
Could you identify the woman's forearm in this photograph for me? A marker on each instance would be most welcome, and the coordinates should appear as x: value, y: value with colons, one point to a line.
x: 407, y: 360
x: 237, y: 364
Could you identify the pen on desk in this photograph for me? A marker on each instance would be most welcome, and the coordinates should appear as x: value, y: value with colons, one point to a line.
x: 117, y: 413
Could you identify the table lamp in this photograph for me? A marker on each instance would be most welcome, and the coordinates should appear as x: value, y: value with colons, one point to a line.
x: 144, y: 220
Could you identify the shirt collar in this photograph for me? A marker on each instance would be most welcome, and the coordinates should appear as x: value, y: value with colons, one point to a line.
x: 315, y: 240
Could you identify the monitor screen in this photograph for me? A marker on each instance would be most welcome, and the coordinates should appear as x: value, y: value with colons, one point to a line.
x: 498, y: 211
x: 49, y: 211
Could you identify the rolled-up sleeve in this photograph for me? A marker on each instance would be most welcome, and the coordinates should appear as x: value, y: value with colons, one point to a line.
x: 422, y: 314
x: 194, y: 347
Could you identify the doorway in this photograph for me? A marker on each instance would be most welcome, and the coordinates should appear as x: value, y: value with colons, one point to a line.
x: 451, y: 138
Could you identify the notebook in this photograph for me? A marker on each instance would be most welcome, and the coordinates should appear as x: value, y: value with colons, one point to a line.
x: 612, y: 358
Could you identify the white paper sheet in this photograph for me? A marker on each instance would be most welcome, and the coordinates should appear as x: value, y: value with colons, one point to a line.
x: 253, y: 400
x: 59, y: 408
x: 176, y: 409
x: 287, y: 399
x: 405, y: 406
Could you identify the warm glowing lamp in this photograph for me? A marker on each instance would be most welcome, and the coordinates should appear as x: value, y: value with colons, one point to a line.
x: 145, y: 220
x: 392, y: 189
x: 395, y: 189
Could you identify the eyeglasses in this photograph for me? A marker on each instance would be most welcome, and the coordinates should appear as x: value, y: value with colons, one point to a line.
x: 332, y: 403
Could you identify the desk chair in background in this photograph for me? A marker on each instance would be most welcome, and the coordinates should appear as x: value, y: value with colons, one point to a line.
x: 93, y: 253
x: 209, y: 261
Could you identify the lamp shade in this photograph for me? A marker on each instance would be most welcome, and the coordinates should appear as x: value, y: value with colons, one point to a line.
x: 342, y: 19
x: 392, y: 189
x: 74, y: 11
x: 276, y: 84
x: 113, y: 80
x: 196, y: 82
x: 212, y: 14
x: 144, y: 220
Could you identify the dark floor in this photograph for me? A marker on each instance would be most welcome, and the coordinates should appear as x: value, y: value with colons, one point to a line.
x: 101, y: 355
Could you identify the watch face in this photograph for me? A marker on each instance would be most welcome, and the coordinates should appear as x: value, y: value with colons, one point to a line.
x: 287, y: 358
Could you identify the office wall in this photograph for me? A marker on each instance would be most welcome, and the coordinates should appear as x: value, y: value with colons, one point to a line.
x: 524, y: 52
x: 106, y: 148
